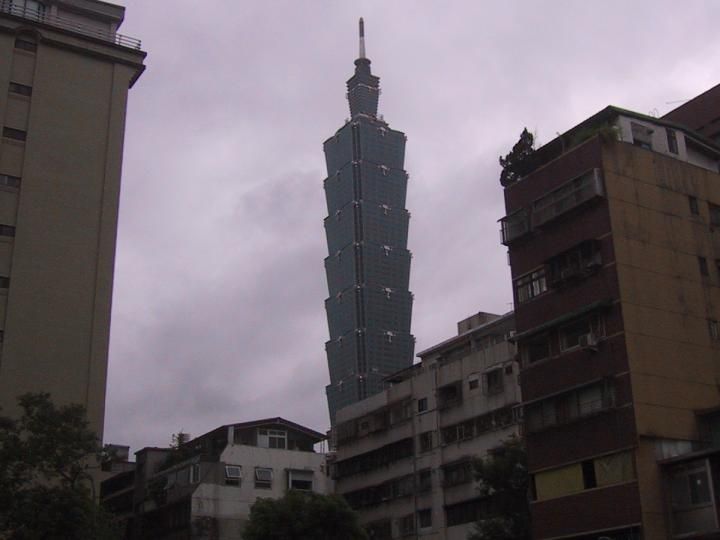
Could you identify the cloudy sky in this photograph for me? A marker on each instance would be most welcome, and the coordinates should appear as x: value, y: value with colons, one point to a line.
x: 219, y: 285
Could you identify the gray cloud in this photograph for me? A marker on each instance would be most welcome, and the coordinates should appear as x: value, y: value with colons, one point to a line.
x: 219, y: 287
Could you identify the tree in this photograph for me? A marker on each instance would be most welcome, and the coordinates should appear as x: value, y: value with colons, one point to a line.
x: 179, y: 450
x: 303, y: 516
x: 44, y: 462
x: 504, y: 481
x: 512, y: 164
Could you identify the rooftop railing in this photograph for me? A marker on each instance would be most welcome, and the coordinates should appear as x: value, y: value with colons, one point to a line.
x: 40, y: 15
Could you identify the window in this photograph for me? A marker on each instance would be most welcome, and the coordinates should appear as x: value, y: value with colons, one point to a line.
x: 494, y: 381
x: 642, y: 135
x: 575, y: 263
x: 590, y: 399
x: 699, y: 487
x: 693, y: 202
x: 400, y: 412
x: 380, y: 457
x: 576, y: 334
x: 25, y: 45
x: 272, y: 438
x: 4, y: 282
x: 21, y: 89
x: 466, y: 430
x: 449, y: 435
x: 425, y: 518
x: 530, y: 285
x: 714, y: 214
x: 537, y: 349
x: 422, y: 404
x: 379, y: 530
x: 425, y: 441
x: 233, y: 475
x: 514, y: 226
x: 16, y: 134
x: 9, y: 181
x: 407, y: 525
x: 672, y: 141
x: 457, y: 473
x: 263, y: 478
x: 465, y: 512
x: 569, y: 406
x: 713, y: 329
x: 702, y: 263
x: 540, y: 415
x: 588, y: 474
x: 450, y: 395
x: 7, y: 230
x: 300, y: 480
x: 690, y: 486
x: 194, y: 473
x: 474, y: 381
x: 425, y: 480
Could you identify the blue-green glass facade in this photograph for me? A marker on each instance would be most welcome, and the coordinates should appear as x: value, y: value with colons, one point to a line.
x: 369, y: 305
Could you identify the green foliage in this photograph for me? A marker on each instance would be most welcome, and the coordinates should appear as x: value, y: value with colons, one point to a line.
x: 44, y: 458
x: 179, y: 451
x: 178, y: 439
x: 607, y: 133
x: 504, y: 480
x: 512, y: 164
x: 303, y: 516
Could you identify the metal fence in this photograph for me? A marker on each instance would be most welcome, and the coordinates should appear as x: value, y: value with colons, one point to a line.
x: 40, y: 15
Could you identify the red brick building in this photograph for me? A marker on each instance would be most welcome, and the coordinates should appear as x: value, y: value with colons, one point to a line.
x: 616, y: 264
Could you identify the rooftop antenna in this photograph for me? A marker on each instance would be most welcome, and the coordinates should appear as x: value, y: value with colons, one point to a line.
x: 362, y: 38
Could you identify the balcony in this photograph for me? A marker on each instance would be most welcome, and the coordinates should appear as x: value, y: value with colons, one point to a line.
x: 568, y: 196
x: 514, y: 226
x: 41, y: 16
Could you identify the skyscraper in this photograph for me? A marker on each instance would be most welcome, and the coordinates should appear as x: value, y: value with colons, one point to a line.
x: 64, y: 74
x: 368, y: 265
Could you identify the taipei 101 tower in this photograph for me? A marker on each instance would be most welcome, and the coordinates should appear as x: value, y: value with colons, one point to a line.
x: 369, y: 305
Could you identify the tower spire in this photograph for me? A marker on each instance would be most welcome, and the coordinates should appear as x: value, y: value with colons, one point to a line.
x: 362, y: 38
x: 363, y: 86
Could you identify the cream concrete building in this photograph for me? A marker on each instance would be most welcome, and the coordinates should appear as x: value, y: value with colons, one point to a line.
x: 65, y: 73
x: 207, y: 489
x: 404, y: 456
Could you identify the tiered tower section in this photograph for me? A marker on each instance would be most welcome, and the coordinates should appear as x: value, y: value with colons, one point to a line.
x: 368, y: 267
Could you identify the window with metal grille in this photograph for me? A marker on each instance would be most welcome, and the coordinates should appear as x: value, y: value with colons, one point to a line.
x: 263, y: 478
x: 233, y: 475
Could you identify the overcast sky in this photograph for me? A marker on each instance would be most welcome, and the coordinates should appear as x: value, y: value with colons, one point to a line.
x: 219, y: 284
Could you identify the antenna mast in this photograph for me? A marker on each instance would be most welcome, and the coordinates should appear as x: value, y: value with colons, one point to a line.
x: 362, y: 38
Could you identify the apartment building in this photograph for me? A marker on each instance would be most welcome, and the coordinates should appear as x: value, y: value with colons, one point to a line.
x: 404, y: 456
x: 65, y: 72
x: 612, y: 233
x: 205, y: 488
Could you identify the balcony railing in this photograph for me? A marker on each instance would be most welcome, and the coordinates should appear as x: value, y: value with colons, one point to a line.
x: 41, y: 16
x: 514, y: 226
x: 567, y: 197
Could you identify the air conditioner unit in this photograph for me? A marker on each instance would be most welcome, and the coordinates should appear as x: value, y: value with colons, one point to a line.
x: 588, y: 341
